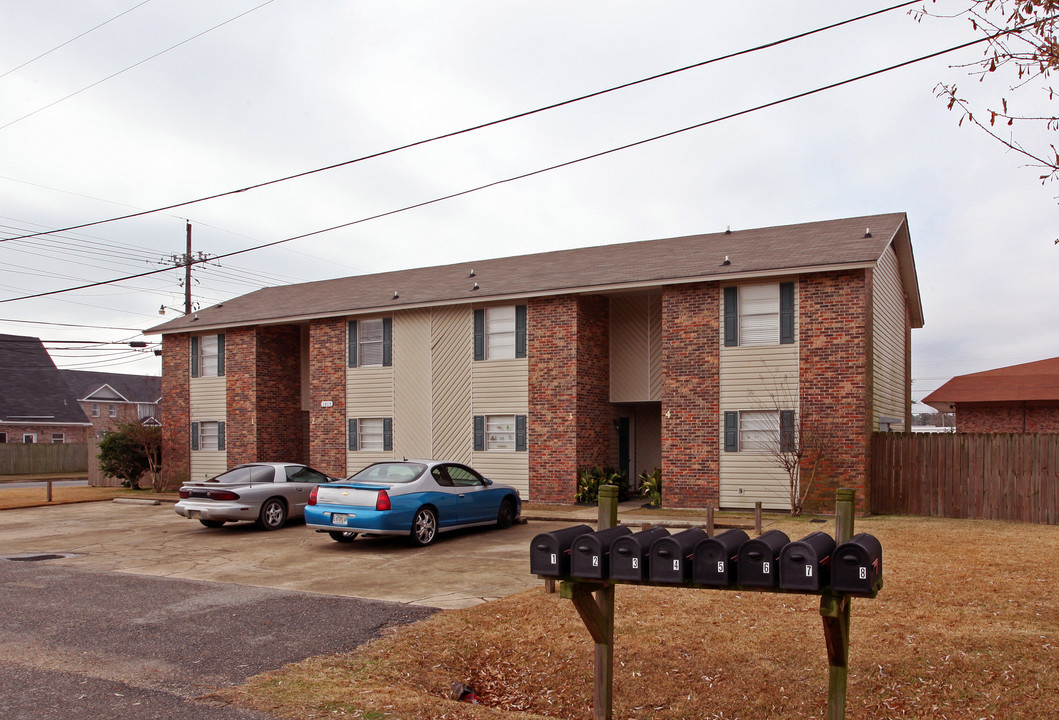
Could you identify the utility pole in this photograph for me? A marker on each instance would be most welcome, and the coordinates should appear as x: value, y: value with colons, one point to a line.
x: 187, y: 273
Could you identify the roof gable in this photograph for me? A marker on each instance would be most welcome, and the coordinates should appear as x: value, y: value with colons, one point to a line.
x: 33, y: 389
x: 96, y: 386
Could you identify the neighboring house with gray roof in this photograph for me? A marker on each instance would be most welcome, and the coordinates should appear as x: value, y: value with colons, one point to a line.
x: 690, y: 354
x: 110, y: 399
x: 36, y: 406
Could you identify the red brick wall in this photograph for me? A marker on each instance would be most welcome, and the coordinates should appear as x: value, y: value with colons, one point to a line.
x: 73, y: 433
x: 176, y: 409
x: 996, y: 418
x: 571, y: 421
x: 834, y: 312
x: 327, y: 373
x: 691, y: 337
x: 263, y: 382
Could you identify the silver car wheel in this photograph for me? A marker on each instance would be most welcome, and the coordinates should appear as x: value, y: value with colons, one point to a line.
x: 273, y: 514
x: 424, y: 526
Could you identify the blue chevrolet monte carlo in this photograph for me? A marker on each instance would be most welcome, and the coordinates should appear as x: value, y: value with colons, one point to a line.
x: 417, y: 498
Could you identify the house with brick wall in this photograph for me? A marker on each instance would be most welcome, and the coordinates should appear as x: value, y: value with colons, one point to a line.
x: 110, y: 399
x: 36, y: 406
x: 689, y: 354
x: 1014, y: 399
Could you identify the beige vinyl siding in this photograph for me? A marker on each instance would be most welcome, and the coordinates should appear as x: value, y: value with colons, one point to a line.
x: 412, y: 391
x: 756, y: 378
x: 369, y: 394
x: 451, y: 357
x: 635, y: 348
x: 888, y: 339
x: 208, y: 400
x: 501, y: 387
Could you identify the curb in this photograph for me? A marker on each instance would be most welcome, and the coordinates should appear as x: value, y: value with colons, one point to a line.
x: 136, y: 501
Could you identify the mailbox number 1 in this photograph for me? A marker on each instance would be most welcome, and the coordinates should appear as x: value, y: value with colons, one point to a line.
x: 554, y: 559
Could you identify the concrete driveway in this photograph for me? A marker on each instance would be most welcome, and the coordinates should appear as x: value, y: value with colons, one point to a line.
x: 460, y: 570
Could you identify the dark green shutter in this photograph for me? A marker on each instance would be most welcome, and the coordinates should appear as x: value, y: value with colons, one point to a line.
x: 731, y: 316
x: 220, y: 436
x: 479, y: 334
x: 352, y: 435
x: 479, y: 432
x: 352, y: 338
x: 787, y: 312
x: 731, y: 431
x: 520, y: 433
x: 387, y: 342
x: 520, y: 331
x: 387, y: 433
x: 194, y: 436
x: 787, y: 431
x: 220, y: 354
x: 195, y: 356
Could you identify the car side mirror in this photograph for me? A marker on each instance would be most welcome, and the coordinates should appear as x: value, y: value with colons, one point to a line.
x: 487, y: 481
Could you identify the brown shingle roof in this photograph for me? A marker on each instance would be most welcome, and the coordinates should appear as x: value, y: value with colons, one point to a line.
x: 761, y: 252
x: 1028, y: 382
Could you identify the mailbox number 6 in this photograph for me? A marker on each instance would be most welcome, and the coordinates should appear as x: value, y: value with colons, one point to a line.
x: 765, y: 568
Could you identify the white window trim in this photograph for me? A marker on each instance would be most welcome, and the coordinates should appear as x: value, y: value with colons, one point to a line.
x: 500, y: 322
x: 500, y: 433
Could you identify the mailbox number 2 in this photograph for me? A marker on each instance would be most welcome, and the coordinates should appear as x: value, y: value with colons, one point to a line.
x: 595, y: 561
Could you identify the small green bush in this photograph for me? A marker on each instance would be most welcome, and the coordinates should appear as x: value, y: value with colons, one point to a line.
x: 589, y: 481
x: 651, y: 487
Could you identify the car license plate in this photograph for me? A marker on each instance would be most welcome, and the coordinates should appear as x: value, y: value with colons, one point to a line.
x: 339, y: 519
x: 192, y: 514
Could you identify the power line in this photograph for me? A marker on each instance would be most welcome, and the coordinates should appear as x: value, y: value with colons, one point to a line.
x: 59, y: 324
x: 475, y: 128
x: 134, y: 65
x: 77, y: 37
x: 540, y: 171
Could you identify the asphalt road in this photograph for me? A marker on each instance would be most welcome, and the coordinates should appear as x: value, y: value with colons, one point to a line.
x: 141, y: 614
x: 92, y: 644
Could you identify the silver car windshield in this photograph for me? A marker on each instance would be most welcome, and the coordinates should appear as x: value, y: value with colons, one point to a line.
x: 399, y: 472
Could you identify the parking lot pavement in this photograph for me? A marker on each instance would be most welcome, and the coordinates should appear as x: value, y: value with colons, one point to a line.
x: 461, y: 569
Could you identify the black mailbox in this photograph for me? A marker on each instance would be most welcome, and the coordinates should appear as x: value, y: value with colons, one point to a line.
x: 550, y: 551
x: 716, y: 558
x: 590, y: 554
x: 757, y: 559
x: 671, y: 556
x: 806, y: 564
x: 628, y: 555
x: 856, y: 566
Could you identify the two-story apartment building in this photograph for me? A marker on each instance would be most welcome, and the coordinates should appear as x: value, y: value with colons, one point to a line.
x: 690, y: 354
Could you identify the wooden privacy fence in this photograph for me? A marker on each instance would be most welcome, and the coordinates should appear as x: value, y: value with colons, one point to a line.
x: 41, y: 458
x: 967, y: 475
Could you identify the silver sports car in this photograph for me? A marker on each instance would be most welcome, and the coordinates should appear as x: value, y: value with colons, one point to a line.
x: 266, y: 493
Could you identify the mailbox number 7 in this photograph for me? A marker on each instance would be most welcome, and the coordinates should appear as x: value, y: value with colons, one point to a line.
x: 808, y: 571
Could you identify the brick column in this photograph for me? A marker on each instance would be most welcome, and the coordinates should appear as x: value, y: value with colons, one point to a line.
x: 691, y: 337
x: 240, y: 370
x: 834, y: 317
x: 176, y: 409
x: 571, y: 421
x: 327, y: 378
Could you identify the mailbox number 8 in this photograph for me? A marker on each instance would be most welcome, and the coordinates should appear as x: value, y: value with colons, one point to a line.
x: 863, y: 572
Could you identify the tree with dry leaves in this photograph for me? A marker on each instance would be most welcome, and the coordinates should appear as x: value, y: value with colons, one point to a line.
x: 1022, y: 53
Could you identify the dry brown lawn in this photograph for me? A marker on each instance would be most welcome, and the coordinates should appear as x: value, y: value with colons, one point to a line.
x: 966, y: 626
x: 12, y: 497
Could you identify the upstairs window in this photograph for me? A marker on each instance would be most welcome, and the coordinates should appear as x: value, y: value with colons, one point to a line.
x: 759, y: 315
x: 95, y: 409
x: 500, y: 332
x: 207, y: 355
x: 371, y: 343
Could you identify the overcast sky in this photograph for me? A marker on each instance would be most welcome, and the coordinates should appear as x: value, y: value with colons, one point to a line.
x: 115, y: 122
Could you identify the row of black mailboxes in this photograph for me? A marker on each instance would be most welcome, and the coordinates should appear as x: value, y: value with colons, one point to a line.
x: 728, y: 559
